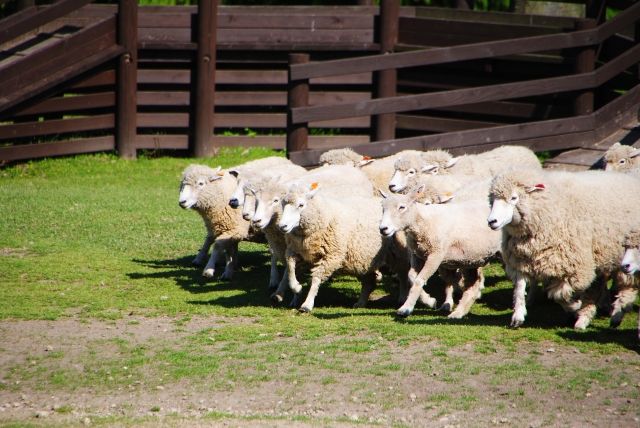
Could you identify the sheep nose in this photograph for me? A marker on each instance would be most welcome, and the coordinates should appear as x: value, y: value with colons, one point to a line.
x: 255, y: 221
x: 246, y: 216
x: 492, y: 221
x: 181, y: 203
x: 233, y: 203
x: 392, y: 186
x: 383, y: 229
x: 283, y: 228
x: 626, y: 267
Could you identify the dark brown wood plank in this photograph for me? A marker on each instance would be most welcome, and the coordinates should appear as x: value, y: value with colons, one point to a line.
x: 618, y: 106
x: 297, y: 96
x: 59, y: 148
x: 246, y: 77
x: 59, y: 77
x: 31, y: 129
x: 446, y: 98
x: 294, y: 36
x: 438, y: 124
x: 103, y: 79
x: 278, y: 142
x: 31, y: 22
x: 444, y: 55
x: 298, y: 47
x: 241, y: 120
x: 495, y: 17
x: 618, y: 65
x: 577, y: 157
x: 489, y: 30
x: 74, y: 41
x: 71, y: 104
x: 157, y: 142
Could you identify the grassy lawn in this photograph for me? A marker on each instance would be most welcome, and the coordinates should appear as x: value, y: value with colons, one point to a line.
x: 100, y: 243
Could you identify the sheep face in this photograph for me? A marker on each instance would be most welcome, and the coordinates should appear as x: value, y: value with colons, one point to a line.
x: 398, y: 211
x: 236, y: 199
x: 621, y: 158
x: 502, y: 210
x: 249, y: 206
x: 267, y: 204
x: 340, y: 157
x: 194, y: 180
x: 630, y: 263
x: 507, y: 192
x: 293, y: 204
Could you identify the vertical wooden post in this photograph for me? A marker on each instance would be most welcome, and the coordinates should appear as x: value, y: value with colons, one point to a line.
x: 584, y: 63
x: 205, y: 78
x: 127, y: 79
x: 385, y: 124
x: 636, y: 40
x: 297, y: 96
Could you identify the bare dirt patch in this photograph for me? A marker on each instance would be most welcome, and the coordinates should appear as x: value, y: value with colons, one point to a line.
x: 414, y: 384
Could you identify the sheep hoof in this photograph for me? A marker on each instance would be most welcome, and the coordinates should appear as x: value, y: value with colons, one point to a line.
x: 581, y: 324
x: 404, y: 313
x: 226, y: 276
x: 456, y: 315
x: 516, y: 322
x: 446, y: 307
x: 276, y: 298
x: 304, y: 310
x: 208, y: 273
x: 616, y: 320
x: 357, y: 305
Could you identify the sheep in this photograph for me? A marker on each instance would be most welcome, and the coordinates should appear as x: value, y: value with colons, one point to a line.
x: 338, y: 235
x: 565, y: 229
x: 477, y: 190
x: 621, y: 158
x: 445, y: 238
x: 269, y: 189
x: 243, y: 173
x: 206, y: 190
x: 628, y: 290
x: 412, y: 170
x: 379, y: 171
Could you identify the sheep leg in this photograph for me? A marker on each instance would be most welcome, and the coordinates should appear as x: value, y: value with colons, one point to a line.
x: 282, y: 287
x: 428, y: 269
x: 473, y: 286
x: 274, y: 277
x: 562, y: 292
x: 218, y: 247
x: 531, y: 293
x: 319, y: 273
x: 451, y: 278
x: 232, y: 260
x: 627, y: 292
x: 519, y: 304
x: 204, y: 251
x: 291, y: 265
x: 368, y: 282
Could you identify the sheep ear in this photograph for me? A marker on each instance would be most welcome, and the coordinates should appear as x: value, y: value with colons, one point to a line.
x: 430, y: 169
x: 452, y: 162
x: 274, y: 180
x: 634, y: 153
x: 616, y: 144
x: 218, y: 175
x: 253, y: 191
x: 417, y: 193
x: 446, y: 198
x: 383, y: 193
x: 234, y: 173
x: 536, y: 188
x: 314, y: 189
x: 366, y: 160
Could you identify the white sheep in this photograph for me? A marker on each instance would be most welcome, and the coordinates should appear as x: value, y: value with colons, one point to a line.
x: 338, y: 235
x: 243, y: 173
x: 414, y: 169
x: 206, y: 191
x: 270, y: 189
x: 379, y: 171
x: 565, y: 229
x: 445, y: 238
x: 621, y: 158
x: 628, y: 287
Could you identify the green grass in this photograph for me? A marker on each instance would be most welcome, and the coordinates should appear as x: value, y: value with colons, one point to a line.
x: 98, y: 239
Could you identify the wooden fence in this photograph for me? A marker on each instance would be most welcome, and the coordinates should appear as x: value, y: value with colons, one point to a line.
x: 454, y: 71
x: 586, y: 87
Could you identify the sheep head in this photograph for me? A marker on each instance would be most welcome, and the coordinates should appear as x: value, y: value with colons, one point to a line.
x: 408, y: 169
x: 510, y: 191
x: 340, y: 157
x: 621, y: 158
x: 268, y: 195
x: 293, y: 204
x: 631, y: 261
x: 195, y: 179
x: 398, y: 211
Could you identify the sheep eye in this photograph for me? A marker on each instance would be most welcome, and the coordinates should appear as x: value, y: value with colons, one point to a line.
x: 514, y: 198
x: 300, y: 205
x: 200, y: 183
x: 411, y: 172
x: 276, y: 200
x: 402, y: 207
x: 622, y: 161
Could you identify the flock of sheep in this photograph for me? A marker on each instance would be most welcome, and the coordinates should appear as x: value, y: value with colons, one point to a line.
x: 421, y: 212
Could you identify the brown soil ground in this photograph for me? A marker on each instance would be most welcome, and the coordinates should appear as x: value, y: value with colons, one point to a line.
x: 184, y: 404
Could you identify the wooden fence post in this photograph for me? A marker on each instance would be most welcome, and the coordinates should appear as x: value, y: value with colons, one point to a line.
x: 584, y: 63
x: 385, y: 124
x: 127, y: 79
x: 297, y: 96
x: 205, y: 78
